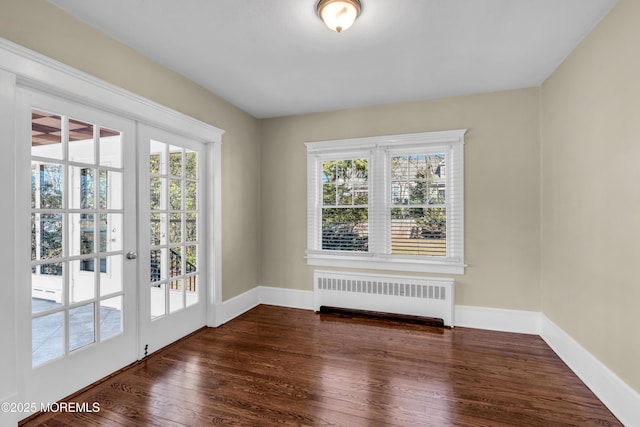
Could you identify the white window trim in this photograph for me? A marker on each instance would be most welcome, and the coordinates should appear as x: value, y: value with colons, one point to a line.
x: 378, y: 151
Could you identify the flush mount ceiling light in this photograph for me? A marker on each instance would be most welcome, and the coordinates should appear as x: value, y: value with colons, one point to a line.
x: 339, y: 14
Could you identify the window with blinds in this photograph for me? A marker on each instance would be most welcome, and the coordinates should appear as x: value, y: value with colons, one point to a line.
x: 418, y: 209
x: 345, y: 205
x: 393, y: 202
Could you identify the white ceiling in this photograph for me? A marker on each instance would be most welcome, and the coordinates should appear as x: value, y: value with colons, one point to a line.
x: 275, y: 57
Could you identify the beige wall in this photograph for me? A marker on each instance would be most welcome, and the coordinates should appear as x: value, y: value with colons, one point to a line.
x: 501, y: 188
x: 40, y: 26
x: 591, y: 193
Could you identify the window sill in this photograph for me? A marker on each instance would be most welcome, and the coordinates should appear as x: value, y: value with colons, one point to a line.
x: 372, y: 262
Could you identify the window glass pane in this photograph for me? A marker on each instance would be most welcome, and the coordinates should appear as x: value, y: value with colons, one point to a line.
x: 345, y: 229
x: 110, y: 148
x: 46, y: 135
x: 110, y: 317
x: 329, y: 194
x: 419, y: 231
x: 47, y: 338
x: 81, y: 281
x: 81, y: 326
x: 81, y: 146
x: 345, y: 182
x: 51, y: 178
x: 418, y: 179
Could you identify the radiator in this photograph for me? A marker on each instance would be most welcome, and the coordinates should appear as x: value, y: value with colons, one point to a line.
x: 416, y: 296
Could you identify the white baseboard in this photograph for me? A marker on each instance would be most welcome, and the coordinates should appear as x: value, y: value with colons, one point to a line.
x: 622, y: 400
x: 292, y: 298
x: 498, y: 319
x: 235, y: 306
x: 9, y: 418
x: 616, y: 395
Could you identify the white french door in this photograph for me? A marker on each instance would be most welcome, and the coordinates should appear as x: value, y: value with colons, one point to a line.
x: 172, y: 256
x: 78, y: 299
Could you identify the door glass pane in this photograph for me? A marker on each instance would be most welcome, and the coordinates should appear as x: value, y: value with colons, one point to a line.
x: 46, y: 135
x: 111, y: 190
x: 157, y: 157
x: 50, y: 236
x: 111, y: 232
x: 175, y: 228
x: 175, y: 161
x: 81, y: 280
x: 158, y: 300
x: 81, y: 326
x: 191, y: 285
x: 156, y: 228
x: 81, y: 146
x: 111, y: 281
x: 175, y: 296
x: 50, y: 186
x: 174, y: 193
x: 81, y: 234
x: 76, y: 202
x: 191, y: 164
x: 191, y: 258
x: 46, y: 287
x: 191, y: 227
x: 175, y: 255
x: 191, y: 196
x: 155, y: 194
x: 110, y: 317
x: 110, y: 148
x: 47, y: 338
x: 157, y: 270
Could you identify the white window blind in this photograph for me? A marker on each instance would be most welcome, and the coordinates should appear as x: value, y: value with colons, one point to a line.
x: 392, y: 202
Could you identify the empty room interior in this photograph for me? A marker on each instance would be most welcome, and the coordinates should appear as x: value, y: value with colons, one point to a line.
x: 454, y: 183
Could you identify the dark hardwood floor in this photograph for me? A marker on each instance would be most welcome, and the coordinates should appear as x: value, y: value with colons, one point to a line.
x: 279, y: 366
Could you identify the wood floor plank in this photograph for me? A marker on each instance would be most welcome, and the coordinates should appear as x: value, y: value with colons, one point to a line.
x: 279, y: 366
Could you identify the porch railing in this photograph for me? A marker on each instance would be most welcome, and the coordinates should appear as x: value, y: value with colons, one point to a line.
x: 175, y: 269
